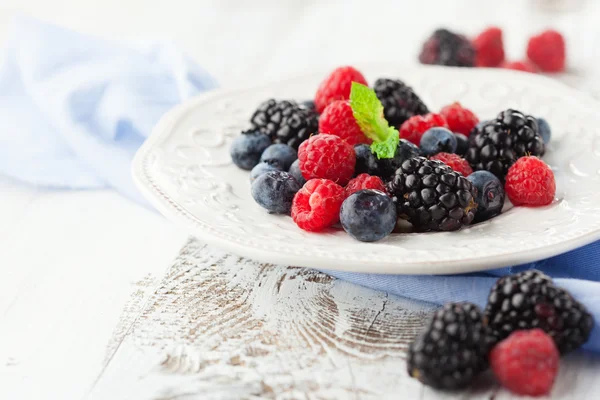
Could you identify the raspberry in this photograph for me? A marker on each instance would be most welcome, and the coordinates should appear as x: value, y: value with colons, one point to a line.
x: 530, y: 182
x: 547, y: 51
x: 520, y: 66
x: 337, y: 86
x: 317, y: 205
x: 337, y: 119
x: 327, y: 157
x: 455, y: 162
x: 364, y: 181
x: 459, y: 119
x: 413, y: 128
x: 489, y: 48
x: 526, y: 362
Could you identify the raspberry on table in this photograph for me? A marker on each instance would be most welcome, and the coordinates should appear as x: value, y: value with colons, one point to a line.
x: 399, y: 101
x: 489, y: 48
x: 447, y: 48
x: 317, y: 205
x: 452, y: 349
x: 530, y: 300
x: 338, y: 119
x: 455, y: 162
x: 327, y: 157
x: 520, y: 66
x: 459, y: 119
x: 337, y: 86
x: 548, y: 51
x: 364, y: 181
x: 530, y: 182
x: 414, y: 127
x: 526, y: 363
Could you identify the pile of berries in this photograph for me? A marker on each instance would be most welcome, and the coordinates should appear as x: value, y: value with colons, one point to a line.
x: 341, y: 159
x: 546, y: 52
x: 527, y: 324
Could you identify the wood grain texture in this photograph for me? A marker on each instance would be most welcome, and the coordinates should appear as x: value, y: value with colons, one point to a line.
x: 220, y: 327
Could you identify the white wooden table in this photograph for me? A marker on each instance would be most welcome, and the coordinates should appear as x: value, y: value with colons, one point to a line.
x: 97, y: 301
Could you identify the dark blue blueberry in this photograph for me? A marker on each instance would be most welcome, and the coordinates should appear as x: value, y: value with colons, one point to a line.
x: 247, y: 148
x: 366, y: 161
x: 489, y: 195
x: 404, y: 151
x: 283, y: 153
x: 264, y: 167
x: 275, y: 191
x: 462, y: 144
x: 295, y: 172
x: 438, y: 140
x: 368, y: 215
x: 544, y: 130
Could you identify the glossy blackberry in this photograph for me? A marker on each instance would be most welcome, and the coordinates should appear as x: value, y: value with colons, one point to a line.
x: 432, y: 196
x: 404, y: 151
x: 285, y: 122
x: 498, y: 144
x: 453, y: 348
x: 399, y: 101
x: 447, y: 48
x: 530, y: 300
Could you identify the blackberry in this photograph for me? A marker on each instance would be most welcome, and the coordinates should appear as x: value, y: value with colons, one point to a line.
x: 399, y: 101
x: 404, y: 151
x: 448, y: 48
x: 285, y: 122
x: 498, y: 144
x: 530, y: 300
x: 453, y: 348
x: 432, y: 196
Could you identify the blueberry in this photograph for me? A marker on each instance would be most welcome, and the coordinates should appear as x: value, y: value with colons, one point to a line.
x: 462, y: 144
x: 275, y: 190
x: 438, y: 140
x: 544, y: 130
x: 489, y: 195
x: 308, y: 104
x: 404, y: 151
x: 264, y: 167
x: 368, y: 215
x: 247, y: 148
x: 366, y: 161
x: 480, y: 124
x: 283, y: 153
x: 295, y: 172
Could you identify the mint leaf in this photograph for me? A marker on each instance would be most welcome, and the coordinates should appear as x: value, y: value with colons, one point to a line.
x: 368, y: 113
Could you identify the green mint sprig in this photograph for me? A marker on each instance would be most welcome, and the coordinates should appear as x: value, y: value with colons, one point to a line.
x: 368, y: 113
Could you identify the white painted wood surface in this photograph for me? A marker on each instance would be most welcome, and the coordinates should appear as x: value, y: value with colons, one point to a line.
x: 92, y: 305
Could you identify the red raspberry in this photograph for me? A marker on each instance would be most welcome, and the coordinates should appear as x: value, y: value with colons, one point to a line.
x: 459, y: 119
x: 455, y: 162
x: 327, y: 157
x: 317, y: 205
x: 547, y: 51
x: 530, y: 182
x: 526, y: 362
x: 337, y: 119
x: 413, y: 128
x: 364, y: 181
x: 489, y: 47
x: 337, y: 86
x: 520, y: 66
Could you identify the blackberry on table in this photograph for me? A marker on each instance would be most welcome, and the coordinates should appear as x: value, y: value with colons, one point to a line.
x: 448, y: 48
x: 404, y: 151
x: 530, y: 300
x: 498, y: 144
x: 399, y: 101
x: 285, y: 122
x: 432, y: 196
x: 453, y: 348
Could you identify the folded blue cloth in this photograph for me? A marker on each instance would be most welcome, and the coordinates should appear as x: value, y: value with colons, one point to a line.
x: 74, y: 109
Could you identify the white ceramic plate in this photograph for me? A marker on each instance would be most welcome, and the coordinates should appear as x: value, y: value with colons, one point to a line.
x: 184, y: 169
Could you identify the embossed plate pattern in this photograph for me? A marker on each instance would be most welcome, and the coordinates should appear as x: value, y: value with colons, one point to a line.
x: 185, y: 171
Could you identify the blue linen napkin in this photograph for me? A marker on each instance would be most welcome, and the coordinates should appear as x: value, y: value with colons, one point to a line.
x: 74, y: 109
